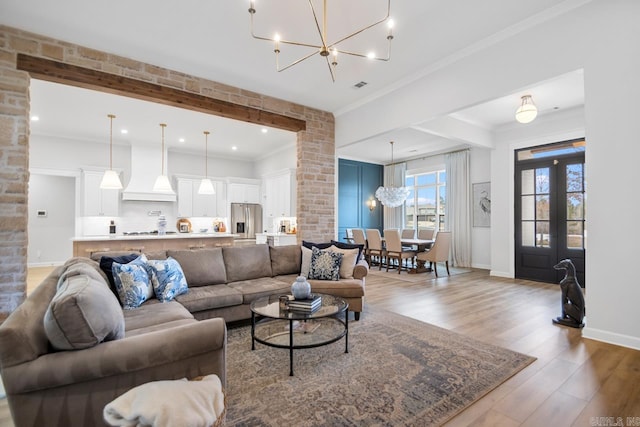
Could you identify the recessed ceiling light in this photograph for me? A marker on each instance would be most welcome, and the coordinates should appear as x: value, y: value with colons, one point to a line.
x: 35, y: 118
x: 371, y: 55
x: 265, y: 130
x: 124, y: 131
x: 234, y: 148
x: 181, y: 140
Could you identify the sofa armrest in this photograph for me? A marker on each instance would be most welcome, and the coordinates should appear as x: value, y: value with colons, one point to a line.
x: 124, y: 356
x: 361, y: 269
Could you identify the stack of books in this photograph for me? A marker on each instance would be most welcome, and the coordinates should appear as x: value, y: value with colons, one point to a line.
x: 309, y: 305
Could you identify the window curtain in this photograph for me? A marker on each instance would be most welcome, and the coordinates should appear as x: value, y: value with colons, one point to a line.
x: 458, y: 208
x: 394, y: 176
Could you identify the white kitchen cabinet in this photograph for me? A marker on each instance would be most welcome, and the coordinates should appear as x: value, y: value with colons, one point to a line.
x: 279, y: 239
x: 243, y: 192
x: 280, y: 195
x: 191, y: 203
x: 98, y: 202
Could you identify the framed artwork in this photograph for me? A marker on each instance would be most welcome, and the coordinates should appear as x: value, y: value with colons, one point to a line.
x: 482, y: 204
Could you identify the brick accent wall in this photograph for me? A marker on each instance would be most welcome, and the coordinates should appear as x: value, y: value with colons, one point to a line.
x: 315, y: 170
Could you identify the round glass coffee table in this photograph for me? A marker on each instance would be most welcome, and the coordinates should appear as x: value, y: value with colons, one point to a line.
x: 281, y: 327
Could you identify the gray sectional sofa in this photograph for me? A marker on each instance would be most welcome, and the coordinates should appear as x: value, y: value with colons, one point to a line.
x: 185, y: 337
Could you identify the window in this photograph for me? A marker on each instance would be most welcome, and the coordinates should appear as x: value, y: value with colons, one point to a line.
x: 424, y: 208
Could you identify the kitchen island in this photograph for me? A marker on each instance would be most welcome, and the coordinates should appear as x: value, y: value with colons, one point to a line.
x: 86, y: 245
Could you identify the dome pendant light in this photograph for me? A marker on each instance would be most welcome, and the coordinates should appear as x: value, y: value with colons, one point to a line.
x: 162, y: 184
x: 206, y: 186
x: 110, y: 179
x: 527, y: 111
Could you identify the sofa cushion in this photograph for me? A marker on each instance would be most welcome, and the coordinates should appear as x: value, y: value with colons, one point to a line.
x: 349, y: 259
x: 257, y: 288
x: 201, y: 267
x: 154, y: 312
x: 343, y: 245
x: 285, y: 259
x: 310, y: 245
x: 209, y: 297
x: 325, y: 265
x: 80, y: 265
x: 167, y: 278
x: 83, y: 313
x: 132, y: 282
x: 345, y: 288
x: 305, y: 263
x: 106, y: 262
x: 246, y: 262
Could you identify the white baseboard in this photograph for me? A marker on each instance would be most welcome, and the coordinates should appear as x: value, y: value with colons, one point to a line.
x: 504, y: 274
x: 44, y: 264
x: 481, y: 266
x: 611, y: 338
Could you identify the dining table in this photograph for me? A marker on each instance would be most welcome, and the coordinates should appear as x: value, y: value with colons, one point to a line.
x: 421, y: 246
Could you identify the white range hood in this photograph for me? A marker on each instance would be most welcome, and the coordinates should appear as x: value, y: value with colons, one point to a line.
x: 145, y: 167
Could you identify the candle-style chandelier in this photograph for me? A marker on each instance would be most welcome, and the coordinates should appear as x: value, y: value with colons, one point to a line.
x: 328, y: 49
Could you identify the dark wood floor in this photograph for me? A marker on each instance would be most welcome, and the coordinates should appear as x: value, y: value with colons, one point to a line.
x: 573, y: 381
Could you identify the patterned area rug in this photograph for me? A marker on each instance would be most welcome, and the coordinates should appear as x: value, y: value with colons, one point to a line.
x: 398, y: 371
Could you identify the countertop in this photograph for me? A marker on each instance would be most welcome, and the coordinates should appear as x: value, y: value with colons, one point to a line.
x: 154, y: 237
x: 275, y: 234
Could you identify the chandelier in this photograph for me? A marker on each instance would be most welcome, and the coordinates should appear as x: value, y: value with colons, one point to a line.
x: 392, y: 196
x: 326, y: 48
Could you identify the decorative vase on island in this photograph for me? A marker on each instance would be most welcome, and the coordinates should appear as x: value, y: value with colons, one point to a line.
x: 301, y: 289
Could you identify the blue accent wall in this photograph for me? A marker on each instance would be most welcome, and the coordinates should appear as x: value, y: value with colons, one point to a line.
x: 357, y: 183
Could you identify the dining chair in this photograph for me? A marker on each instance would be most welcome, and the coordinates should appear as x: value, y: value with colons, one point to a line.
x: 426, y: 233
x: 395, y: 250
x: 348, y: 235
x: 359, y: 239
x: 376, y: 249
x: 439, y: 252
x: 408, y: 233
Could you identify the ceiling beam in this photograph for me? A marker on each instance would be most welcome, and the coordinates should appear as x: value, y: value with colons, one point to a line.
x: 458, y: 130
x: 59, y: 72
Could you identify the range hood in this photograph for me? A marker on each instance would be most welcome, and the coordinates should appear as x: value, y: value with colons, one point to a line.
x: 145, y: 167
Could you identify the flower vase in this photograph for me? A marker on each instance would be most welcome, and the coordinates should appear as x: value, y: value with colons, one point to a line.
x: 301, y: 289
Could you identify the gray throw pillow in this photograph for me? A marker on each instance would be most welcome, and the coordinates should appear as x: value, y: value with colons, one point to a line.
x: 83, y: 313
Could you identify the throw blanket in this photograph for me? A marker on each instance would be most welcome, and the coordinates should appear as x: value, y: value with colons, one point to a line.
x: 168, y: 403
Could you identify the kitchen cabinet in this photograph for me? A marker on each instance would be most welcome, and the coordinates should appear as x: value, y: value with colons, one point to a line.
x: 280, y: 194
x: 191, y: 204
x: 96, y: 201
x: 276, y: 239
x: 243, y: 192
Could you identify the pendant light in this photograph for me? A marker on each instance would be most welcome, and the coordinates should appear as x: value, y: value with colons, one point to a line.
x: 206, y: 186
x: 527, y: 111
x: 392, y: 196
x: 110, y: 179
x: 162, y: 184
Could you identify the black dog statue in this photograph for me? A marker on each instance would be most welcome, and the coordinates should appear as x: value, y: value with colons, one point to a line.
x: 572, y: 297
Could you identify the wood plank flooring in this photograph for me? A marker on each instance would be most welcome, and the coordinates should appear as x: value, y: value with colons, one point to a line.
x: 573, y: 382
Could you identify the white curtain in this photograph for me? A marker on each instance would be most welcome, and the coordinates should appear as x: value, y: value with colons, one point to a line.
x: 394, y: 175
x: 458, y: 207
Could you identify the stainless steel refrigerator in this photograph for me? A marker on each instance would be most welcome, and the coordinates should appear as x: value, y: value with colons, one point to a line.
x: 246, y: 220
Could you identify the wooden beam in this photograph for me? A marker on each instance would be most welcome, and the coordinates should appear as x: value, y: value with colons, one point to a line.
x: 59, y: 72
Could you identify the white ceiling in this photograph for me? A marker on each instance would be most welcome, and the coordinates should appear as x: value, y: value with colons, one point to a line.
x: 211, y: 39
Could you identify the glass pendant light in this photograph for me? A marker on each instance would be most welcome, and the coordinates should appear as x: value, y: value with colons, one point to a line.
x: 162, y: 184
x: 206, y: 186
x: 392, y: 196
x: 111, y: 179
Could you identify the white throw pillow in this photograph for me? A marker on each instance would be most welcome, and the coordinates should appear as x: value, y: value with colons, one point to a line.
x: 349, y: 259
x: 306, y: 262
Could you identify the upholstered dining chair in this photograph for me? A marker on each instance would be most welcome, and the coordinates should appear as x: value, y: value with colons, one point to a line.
x: 359, y: 239
x: 408, y: 233
x: 439, y: 252
x: 426, y: 233
x: 376, y: 249
x: 395, y: 250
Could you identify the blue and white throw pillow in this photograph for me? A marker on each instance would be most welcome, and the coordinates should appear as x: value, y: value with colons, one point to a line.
x: 167, y: 278
x: 132, y: 282
x: 325, y: 265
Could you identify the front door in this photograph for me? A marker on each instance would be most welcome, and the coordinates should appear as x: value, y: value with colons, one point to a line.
x: 550, y: 210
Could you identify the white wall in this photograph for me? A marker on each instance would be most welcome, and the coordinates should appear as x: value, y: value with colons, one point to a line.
x: 50, y: 236
x: 280, y: 160
x: 192, y: 164
x: 603, y: 38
